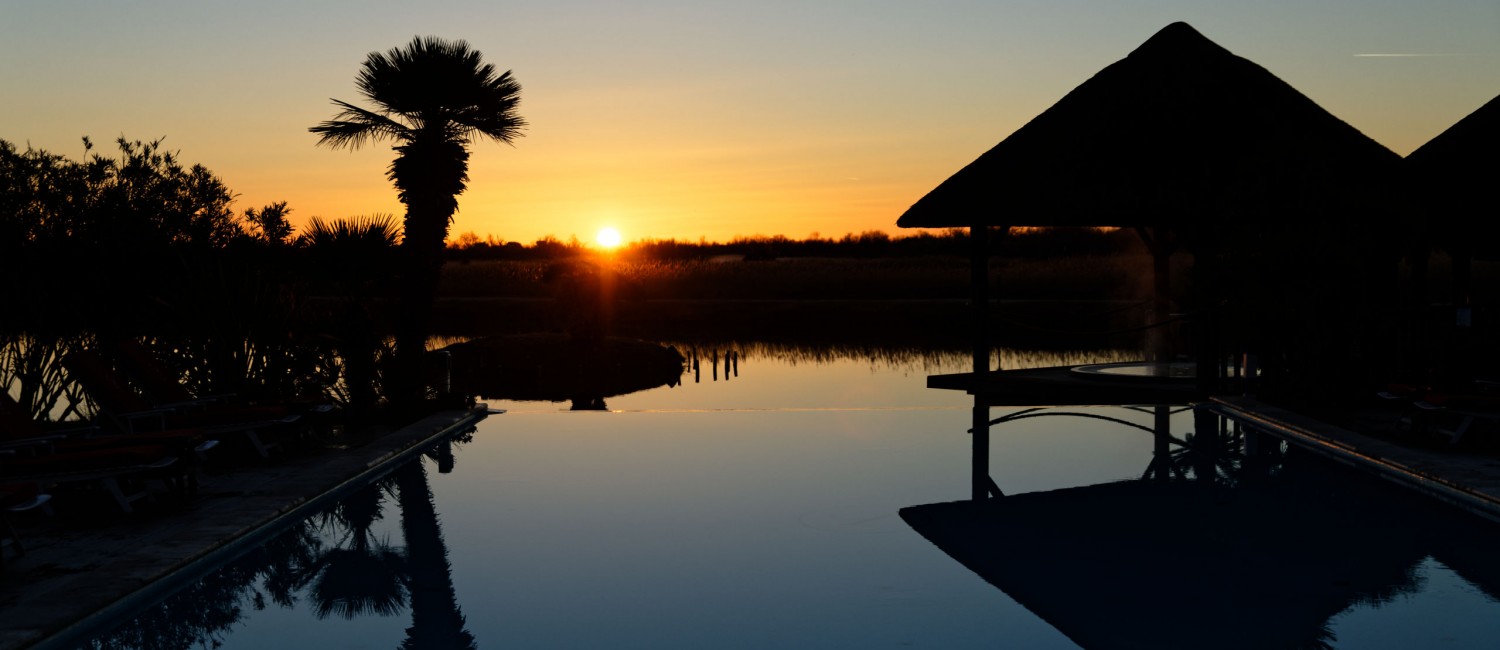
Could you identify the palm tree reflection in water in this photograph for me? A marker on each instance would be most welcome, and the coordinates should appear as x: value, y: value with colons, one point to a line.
x: 436, y: 621
x: 362, y: 575
x: 359, y: 575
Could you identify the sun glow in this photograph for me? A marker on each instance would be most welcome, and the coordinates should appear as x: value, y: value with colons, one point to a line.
x: 608, y: 237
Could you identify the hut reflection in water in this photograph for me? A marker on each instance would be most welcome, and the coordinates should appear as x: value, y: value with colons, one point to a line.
x: 1229, y: 539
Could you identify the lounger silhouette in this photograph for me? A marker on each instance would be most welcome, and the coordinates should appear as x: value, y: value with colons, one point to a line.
x: 120, y: 471
x: 31, y: 446
x: 16, y: 497
x: 1452, y: 412
x: 263, y: 427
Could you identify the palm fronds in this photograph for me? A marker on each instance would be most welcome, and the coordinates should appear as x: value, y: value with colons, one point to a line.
x: 353, y: 126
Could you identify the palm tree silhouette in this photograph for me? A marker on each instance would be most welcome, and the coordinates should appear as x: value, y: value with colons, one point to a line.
x: 433, y: 98
x: 351, y: 259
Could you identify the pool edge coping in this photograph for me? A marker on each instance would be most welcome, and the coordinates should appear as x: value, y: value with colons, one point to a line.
x: 397, y: 447
x: 1391, y: 462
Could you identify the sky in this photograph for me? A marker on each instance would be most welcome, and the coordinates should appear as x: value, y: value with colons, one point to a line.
x: 687, y: 119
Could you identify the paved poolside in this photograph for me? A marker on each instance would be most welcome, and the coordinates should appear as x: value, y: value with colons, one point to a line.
x: 1467, y: 480
x: 72, y: 575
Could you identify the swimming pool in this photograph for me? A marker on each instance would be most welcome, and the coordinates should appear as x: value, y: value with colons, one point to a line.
x: 765, y: 510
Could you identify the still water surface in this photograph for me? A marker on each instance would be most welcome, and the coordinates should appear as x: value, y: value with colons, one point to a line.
x: 756, y: 509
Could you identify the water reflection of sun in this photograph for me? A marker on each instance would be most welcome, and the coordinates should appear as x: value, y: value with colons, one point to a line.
x: 608, y: 237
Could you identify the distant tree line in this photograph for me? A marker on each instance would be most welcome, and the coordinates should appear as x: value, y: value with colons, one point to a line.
x: 1033, y: 243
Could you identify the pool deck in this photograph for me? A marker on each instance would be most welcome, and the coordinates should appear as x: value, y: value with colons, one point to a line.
x: 73, y: 576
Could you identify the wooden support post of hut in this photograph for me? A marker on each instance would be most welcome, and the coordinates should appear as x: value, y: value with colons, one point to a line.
x: 979, y: 304
x: 1162, y: 242
x: 979, y: 295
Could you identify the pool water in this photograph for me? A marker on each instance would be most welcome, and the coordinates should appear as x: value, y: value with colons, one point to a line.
x: 753, y: 510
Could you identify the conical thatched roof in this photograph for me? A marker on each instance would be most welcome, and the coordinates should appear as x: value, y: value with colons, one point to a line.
x: 1178, y: 131
x: 1466, y: 152
x: 1455, y: 174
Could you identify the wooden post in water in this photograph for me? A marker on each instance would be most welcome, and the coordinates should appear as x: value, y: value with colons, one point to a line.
x: 979, y: 277
x: 1160, y: 468
x: 1259, y: 451
x: 979, y: 474
x: 1208, y: 445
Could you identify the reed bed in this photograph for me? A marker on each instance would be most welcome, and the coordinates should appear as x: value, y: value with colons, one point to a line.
x: 1080, y: 278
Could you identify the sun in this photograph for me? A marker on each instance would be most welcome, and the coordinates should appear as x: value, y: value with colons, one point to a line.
x: 608, y: 237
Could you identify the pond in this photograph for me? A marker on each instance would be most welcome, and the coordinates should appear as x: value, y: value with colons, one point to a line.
x: 784, y: 502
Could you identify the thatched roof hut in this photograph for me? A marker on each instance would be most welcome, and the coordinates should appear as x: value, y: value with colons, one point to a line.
x: 1198, y: 148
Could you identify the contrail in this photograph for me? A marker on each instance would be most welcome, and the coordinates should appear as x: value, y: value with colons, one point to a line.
x: 1406, y: 54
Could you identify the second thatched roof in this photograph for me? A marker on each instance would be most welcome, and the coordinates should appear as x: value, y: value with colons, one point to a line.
x: 1454, y: 177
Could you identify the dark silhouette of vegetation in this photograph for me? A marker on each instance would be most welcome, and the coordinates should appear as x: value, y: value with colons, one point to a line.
x: 270, y: 224
x: 433, y: 97
x: 143, y: 246
x: 351, y: 263
x: 162, y: 231
x: 952, y: 242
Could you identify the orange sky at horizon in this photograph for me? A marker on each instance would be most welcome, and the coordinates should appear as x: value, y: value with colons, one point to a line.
x: 705, y: 120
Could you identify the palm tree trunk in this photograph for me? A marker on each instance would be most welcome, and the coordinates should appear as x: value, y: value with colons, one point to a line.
x: 426, y: 231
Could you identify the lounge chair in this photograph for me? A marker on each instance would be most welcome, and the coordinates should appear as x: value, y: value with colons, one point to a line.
x: 31, y: 446
x: 120, y: 471
x: 18, y: 430
x: 17, y: 498
x: 263, y: 427
x: 1450, y: 412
